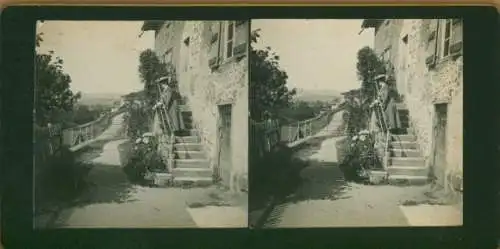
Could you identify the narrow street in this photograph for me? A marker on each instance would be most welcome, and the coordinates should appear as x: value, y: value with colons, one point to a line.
x: 110, y: 200
x: 325, y: 199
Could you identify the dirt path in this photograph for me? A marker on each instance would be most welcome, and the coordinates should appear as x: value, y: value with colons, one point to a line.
x: 111, y: 201
x: 325, y: 199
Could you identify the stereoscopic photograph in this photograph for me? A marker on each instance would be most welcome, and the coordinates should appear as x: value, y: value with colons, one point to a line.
x: 356, y: 123
x: 141, y: 124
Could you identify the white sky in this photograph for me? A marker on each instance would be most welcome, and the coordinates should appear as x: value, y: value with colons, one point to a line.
x: 316, y: 54
x: 100, y: 56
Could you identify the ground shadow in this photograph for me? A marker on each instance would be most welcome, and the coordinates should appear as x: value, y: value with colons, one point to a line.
x: 106, y: 183
x: 312, y: 180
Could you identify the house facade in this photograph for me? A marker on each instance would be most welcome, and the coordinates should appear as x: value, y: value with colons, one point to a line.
x: 211, y: 66
x: 426, y: 58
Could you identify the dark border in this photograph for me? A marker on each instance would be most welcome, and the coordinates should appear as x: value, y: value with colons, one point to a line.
x: 18, y: 30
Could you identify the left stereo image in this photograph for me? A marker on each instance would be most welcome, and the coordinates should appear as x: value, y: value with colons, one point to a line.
x: 141, y: 124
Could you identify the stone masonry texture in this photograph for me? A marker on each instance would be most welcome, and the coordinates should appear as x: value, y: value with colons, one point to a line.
x: 423, y: 88
x: 205, y: 89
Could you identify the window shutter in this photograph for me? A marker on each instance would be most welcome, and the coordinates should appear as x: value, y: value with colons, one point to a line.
x: 431, y: 51
x: 214, y: 44
x: 456, y: 43
x: 241, y: 38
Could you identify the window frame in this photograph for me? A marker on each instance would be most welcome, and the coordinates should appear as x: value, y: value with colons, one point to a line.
x: 444, y: 51
x: 228, y: 41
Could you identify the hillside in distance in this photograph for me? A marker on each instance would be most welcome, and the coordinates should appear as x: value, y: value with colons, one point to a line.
x: 310, y: 95
x: 99, y: 98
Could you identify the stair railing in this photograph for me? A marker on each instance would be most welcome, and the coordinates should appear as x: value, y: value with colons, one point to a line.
x: 167, y: 126
x: 383, y: 124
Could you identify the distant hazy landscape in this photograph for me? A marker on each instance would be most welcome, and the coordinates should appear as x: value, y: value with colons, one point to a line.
x: 317, y: 95
x: 99, y: 98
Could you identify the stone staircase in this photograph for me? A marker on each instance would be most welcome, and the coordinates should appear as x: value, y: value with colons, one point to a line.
x: 405, y: 162
x: 191, y: 166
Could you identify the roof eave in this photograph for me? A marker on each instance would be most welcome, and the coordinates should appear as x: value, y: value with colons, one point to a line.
x: 151, y: 25
x: 370, y: 23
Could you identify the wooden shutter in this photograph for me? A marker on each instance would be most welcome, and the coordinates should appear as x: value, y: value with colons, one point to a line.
x: 214, y: 43
x: 432, y: 39
x: 241, y: 38
x: 456, y: 42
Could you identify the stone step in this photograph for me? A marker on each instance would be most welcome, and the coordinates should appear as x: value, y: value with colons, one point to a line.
x: 407, y: 161
x: 184, y: 108
x: 180, y: 154
x: 406, y: 138
x: 188, y: 146
x: 193, y: 181
x: 407, y: 180
x: 192, y: 172
x: 404, y: 152
x: 187, y: 139
x: 407, y: 171
x: 192, y: 163
x: 403, y: 145
x: 162, y: 179
x: 187, y: 132
x: 401, y: 106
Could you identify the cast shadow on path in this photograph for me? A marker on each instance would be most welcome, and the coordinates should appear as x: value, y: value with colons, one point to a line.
x: 318, y: 179
x: 106, y: 183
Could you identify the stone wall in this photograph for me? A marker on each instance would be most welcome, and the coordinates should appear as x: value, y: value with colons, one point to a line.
x: 426, y: 87
x: 169, y: 37
x: 205, y: 89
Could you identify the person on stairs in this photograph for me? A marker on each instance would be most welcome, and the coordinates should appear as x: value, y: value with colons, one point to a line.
x: 386, y: 98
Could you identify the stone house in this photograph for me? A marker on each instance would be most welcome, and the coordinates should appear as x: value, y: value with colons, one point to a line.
x: 211, y: 67
x: 426, y: 58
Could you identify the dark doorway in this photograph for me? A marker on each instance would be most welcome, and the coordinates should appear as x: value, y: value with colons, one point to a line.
x: 439, y: 152
x: 224, y: 134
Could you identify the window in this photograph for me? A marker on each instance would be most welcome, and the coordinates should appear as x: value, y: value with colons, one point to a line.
x: 167, y: 57
x: 446, y: 37
x: 229, y: 41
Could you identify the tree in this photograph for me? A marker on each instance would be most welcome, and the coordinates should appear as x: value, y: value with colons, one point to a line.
x: 268, y: 89
x: 150, y: 70
x: 357, y: 104
x: 368, y: 66
x: 53, y: 96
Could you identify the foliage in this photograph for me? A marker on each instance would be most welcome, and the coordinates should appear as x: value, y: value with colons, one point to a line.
x: 355, y: 115
x: 360, y: 156
x: 139, y: 95
x: 301, y: 110
x: 369, y: 66
x: 144, y: 159
x: 83, y: 114
x: 357, y: 102
x: 150, y: 70
x: 134, y: 119
x: 268, y: 90
x: 53, y: 96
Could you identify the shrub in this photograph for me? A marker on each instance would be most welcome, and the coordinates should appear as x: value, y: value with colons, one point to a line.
x: 360, y: 156
x: 144, y: 159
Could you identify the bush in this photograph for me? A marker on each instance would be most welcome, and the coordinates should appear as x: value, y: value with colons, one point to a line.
x: 144, y: 159
x: 64, y: 176
x: 360, y: 157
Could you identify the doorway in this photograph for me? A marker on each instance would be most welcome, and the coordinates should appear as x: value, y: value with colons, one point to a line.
x: 223, y: 171
x: 440, y: 125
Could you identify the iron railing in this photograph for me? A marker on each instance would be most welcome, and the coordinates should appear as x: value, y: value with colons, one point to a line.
x: 267, y: 134
x: 385, y: 132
